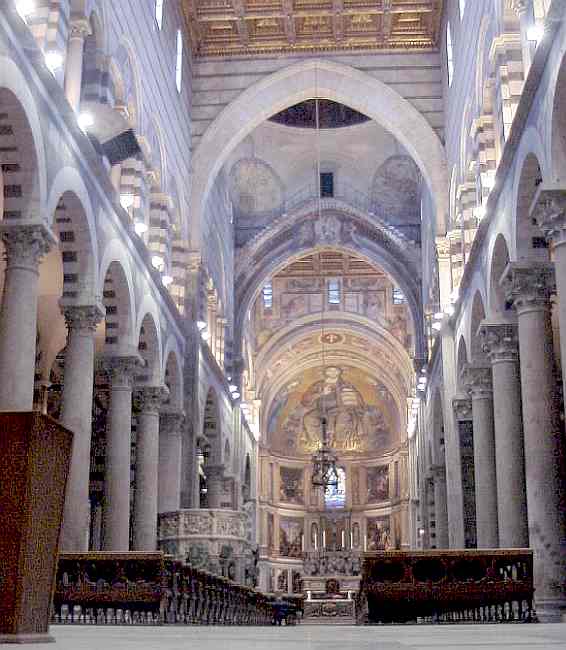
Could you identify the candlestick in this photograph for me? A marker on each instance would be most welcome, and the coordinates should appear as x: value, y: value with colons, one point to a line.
x: 343, y: 539
x: 351, y: 539
x: 366, y: 542
x: 323, y: 540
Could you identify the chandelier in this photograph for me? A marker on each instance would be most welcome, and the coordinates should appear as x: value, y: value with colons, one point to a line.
x: 324, y: 471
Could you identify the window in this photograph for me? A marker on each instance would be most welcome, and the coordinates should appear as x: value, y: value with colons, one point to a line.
x: 333, y: 292
x: 449, y: 54
x: 179, y: 63
x: 267, y: 293
x: 326, y: 184
x: 462, y: 8
x: 159, y: 12
x: 335, y: 495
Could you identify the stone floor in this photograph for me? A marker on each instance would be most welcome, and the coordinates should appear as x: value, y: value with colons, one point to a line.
x: 510, y: 637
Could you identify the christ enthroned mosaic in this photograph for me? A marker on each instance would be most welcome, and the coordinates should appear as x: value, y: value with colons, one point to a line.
x: 361, y: 413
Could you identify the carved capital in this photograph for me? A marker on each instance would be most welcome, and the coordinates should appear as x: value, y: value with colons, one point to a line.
x: 549, y: 211
x: 529, y: 285
x: 462, y: 407
x: 477, y: 380
x: 82, y: 318
x: 26, y: 244
x: 520, y: 6
x: 122, y: 369
x: 79, y: 27
x: 500, y: 341
x: 150, y: 398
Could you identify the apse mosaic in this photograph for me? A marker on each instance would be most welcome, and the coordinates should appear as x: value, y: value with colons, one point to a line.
x: 360, y: 412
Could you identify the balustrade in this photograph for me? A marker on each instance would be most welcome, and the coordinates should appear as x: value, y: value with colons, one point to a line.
x: 150, y: 589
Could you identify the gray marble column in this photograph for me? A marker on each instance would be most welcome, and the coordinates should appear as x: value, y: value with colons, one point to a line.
x: 440, y: 506
x: 478, y: 383
x: 76, y: 415
x: 529, y: 287
x: 78, y: 31
x: 25, y: 245
x: 500, y: 341
x: 170, y: 458
x: 149, y: 400
x: 215, y: 484
x: 118, y: 454
x: 463, y: 419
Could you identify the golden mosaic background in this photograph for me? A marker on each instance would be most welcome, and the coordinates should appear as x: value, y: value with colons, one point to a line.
x: 235, y: 27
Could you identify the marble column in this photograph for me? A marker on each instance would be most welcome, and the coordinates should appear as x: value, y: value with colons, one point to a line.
x: 463, y: 419
x: 440, y: 506
x: 523, y: 9
x: 170, y: 458
x: 529, y: 286
x: 25, y: 245
x: 149, y: 400
x: 479, y: 385
x: 76, y: 415
x: 118, y: 454
x: 79, y: 29
x: 214, y: 484
x: 549, y: 210
x: 500, y: 341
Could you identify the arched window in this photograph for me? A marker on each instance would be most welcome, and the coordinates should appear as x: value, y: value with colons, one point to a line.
x: 462, y: 8
x: 179, y: 63
x: 159, y: 12
x: 449, y: 54
x: 335, y: 496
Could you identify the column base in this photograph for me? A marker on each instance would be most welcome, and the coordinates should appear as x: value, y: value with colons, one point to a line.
x: 551, y: 610
x: 26, y: 638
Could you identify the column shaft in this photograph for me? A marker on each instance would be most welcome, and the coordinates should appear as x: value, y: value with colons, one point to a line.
x: 76, y: 415
x: 74, y: 65
x: 440, y: 508
x: 25, y: 246
x: 484, y: 467
x: 118, y: 452
x: 170, y: 457
x: 145, y: 498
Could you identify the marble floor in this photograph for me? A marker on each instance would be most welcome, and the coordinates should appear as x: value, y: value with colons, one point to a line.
x: 510, y: 637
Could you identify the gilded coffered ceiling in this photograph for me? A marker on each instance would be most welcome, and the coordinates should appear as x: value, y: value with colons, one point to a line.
x: 236, y: 27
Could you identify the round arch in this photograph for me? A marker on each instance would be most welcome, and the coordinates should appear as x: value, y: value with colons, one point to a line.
x: 497, y: 304
x: 21, y: 117
x: 477, y: 316
x: 328, y: 80
x: 173, y: 376
x: 149, y: 346
x: 373, y: 245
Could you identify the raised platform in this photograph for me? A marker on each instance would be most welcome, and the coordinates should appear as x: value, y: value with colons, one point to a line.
x: 329, y: 611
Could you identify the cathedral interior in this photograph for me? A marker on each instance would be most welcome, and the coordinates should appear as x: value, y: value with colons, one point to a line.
x: 239, y: 234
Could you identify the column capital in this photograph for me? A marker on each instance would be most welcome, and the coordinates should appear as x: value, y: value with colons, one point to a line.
x: 148, y: 399
x: 82, y: 317
x: 438, y: 472
x: 549, y: 211
x: 26, y: 243
x: 520, y: 6
x: 477, y: 380
x: 462, y: 407
x: 79, y: 27
x: 529, y: 285
x: 122, y: 368
x: 500, y: 341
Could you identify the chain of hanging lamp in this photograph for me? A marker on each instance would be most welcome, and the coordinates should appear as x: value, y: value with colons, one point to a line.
x: 324, y: 471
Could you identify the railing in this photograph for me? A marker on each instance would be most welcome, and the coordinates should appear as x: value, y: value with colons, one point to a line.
x: 447, y: 586
x: 149, y: 589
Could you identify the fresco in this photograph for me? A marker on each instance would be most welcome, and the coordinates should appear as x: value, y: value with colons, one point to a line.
x: 379, y: 534
x: 378, y: 483
x: 291, y: 485
x: 361, y: 414
x: 290, y: 537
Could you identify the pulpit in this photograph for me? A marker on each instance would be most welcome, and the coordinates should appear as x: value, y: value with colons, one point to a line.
x: 35, y: 453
